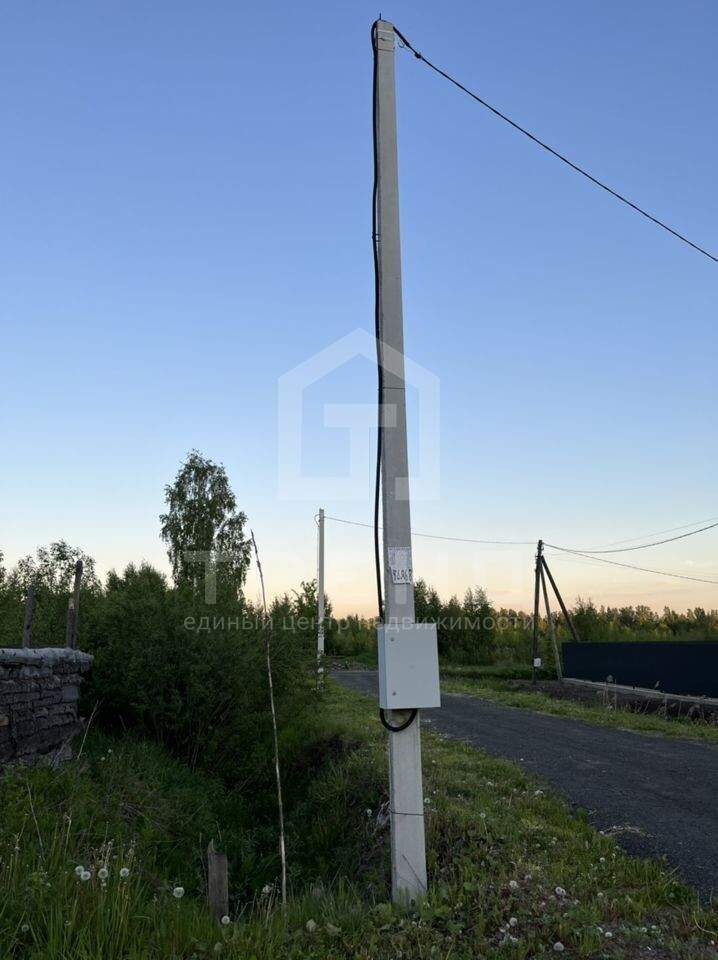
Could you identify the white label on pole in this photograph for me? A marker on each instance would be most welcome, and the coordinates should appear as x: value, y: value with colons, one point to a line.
x: 400, y: 564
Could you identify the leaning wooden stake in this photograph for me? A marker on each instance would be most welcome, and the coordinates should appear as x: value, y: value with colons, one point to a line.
x: 551, y: 628
x: 277, y: 772
x: 568, y: 619
x: 217, y: 886
x: 29, y: 610
x: 73, y: 609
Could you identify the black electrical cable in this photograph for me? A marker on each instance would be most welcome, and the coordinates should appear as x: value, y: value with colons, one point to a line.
x: 631, y: 566
x: 399, y: 727
x: 640, y: 546
x: 555, y: 153
x: 438, y: 536
x: 376, y: 240
x: 377, y: 329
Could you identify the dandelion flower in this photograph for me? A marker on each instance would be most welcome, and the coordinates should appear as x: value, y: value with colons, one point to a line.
x: 85, y: 875
x: 178, y: 893
x: 79, y: 870
x: 558, y: 947
x: 103, y: 873
x: 125, y: 872
x: 225, y: 920
x: 311, y: 926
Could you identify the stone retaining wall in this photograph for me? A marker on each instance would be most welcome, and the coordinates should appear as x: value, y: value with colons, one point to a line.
x: 39, y: 691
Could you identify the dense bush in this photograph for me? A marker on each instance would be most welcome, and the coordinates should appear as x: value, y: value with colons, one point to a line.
x: 193, y: 676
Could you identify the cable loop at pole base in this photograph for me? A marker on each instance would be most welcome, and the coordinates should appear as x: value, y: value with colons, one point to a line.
x: 401, y: 726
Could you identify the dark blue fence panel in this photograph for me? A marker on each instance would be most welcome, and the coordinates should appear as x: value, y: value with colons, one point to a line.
x: 689, y: 668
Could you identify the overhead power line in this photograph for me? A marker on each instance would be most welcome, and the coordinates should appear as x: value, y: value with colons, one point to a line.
x: 555, y: 153
x: 630, y: 566
x: 639, y: 546
x: 656, y: 533
x: 436, y: 536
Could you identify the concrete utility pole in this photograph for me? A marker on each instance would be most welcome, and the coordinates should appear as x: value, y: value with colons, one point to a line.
x: 320, y: 594
x: 535, y: 659
x: 73, y: 609
x: 27, y: 623
x: 408, y: 853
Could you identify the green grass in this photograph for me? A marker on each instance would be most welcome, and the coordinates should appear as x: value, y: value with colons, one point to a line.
x: 497, y: 686
x: 498, y: 847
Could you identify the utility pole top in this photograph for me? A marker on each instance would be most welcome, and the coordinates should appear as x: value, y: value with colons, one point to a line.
x: 385, y: 35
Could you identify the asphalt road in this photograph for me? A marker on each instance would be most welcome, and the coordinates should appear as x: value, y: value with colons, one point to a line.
x: 660, y: 796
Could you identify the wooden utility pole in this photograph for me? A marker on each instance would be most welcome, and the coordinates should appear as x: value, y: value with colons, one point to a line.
x: 320, y: 596
x: 29, y: 610
x: 408, y: 853
x: 537, y: 580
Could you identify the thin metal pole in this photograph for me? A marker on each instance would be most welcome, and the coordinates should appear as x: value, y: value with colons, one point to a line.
x: 551, y: 628
x: 568, y: 619
x: 320, y: 597
x: 29, y: 610
x: 534, y: 643
x: 408, y: 852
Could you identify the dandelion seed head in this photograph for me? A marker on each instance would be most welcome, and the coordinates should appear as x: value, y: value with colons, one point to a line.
x: 558, y: 947
x: 178, y: 893
x: 513, y: 885
x: 125, y: 872
x: 79, y: 870
x: 560, y: 892
x: 225, y: 920
x: 311, y: 926
x: 103, y: 873
x: 85, y: 876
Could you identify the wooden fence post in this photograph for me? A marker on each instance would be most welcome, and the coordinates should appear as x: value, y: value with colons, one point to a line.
x: 217, y: 887
x: 29, y: 610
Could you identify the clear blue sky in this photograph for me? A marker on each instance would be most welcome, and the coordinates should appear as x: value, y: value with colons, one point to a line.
x: 185, y: 197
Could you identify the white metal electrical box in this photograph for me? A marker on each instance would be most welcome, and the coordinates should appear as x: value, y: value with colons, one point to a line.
x: 408, y: 666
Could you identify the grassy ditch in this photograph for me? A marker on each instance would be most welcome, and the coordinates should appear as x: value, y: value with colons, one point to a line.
x: 514, y: 874
x: 501, y: 687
